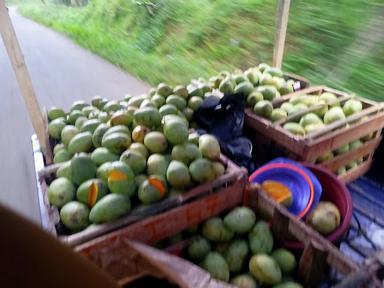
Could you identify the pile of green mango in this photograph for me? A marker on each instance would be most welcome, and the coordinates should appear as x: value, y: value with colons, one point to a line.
x: 238, y: 249
x: 135, y: 152
x: 331, y: 110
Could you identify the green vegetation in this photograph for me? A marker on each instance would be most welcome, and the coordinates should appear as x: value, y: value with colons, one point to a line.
x: 337, y: 43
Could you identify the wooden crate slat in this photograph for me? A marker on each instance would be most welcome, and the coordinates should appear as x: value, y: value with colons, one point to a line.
x: 177, y: 219
x: 276, y: 133
x: 339, y: 138
x: 356, y: 172
x: 343, y: 122
x: 176, y: 269
x: 228, y: 179
x: 343, y: 159
x: 312, y: 263
x: 102, y: 250
x: 24, y: 81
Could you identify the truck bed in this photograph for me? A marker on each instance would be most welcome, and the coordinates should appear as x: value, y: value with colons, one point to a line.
x: 368, y: 219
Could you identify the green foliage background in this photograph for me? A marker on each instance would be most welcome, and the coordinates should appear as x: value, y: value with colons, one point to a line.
x: 336, y: 43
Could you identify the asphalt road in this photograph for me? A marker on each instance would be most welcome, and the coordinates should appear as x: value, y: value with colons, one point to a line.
x: 61, y: 72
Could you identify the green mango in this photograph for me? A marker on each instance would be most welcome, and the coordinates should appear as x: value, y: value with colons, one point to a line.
x: 55, y: 127
x: 103, y: 171
x: 90, y: 125
x: 164, y: 90
x: 253, y: 98
x: 265, y: 269
x: 240, y: 220
x: 214, y: 230
x: 278, y: 114
x: 158, y: 101
x: 101, y: 155
x: 294, y: 128
x: 168, y: 109
x: 121, y: 117
x: 98, y: 134
x: 176, y: 131
x: 78, y: 105
x: 121, y: 179
x: 244, y: 281
x: 209, y: 147
x: 153, y: 189
x: 289, y: 284
x: 215, y: 264
x: 156, y: 142
x: 181, y: 91
x: 263, y: 108
x: 260, y: 238
x: 80, y: 122
x: 62, y: 156
x: 245, y: 88
x: 147, y: 116
x: 110, y: 208
x: 198, y: 249
x: 179, y: 102
x: 112, y: 106
x: 202, y: 170
x: 96, y: 100
x: 91, y: 191
x: 157, y: 164
x: 140, y: 148
x: 68, y: 133
x: 186, y: 153
x: 136, y: 101
x: 58, y: 147
x: 236, y: 255
x: 116, y: 142
x: 60, y: 192
x: 135, y: 160
x: 87, y: 110
x: 74, y: 216
x: 285, y: 259
x: 81, y: 142
x: 55, y: 112
x: 178, y: 174
x: 65, y: 171
x: 82, y: 168
x: 73, y: 116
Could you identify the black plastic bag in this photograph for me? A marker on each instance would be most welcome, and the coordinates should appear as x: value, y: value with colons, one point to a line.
x: 224, y: 118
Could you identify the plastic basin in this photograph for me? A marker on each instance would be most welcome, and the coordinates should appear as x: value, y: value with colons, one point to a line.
x: 333, y: 191
x: 294, y: 178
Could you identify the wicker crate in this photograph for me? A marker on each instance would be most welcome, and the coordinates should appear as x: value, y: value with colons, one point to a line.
x: 50, y: 215
x: 112, y: 252
x: 308, y: 148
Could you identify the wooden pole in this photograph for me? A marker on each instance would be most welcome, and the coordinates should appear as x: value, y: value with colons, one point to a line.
x: 281, y: 31
x: 17, y: 60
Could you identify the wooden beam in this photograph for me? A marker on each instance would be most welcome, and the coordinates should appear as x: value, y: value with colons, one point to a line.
x: 281, y: 31
x: 17, y: 60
